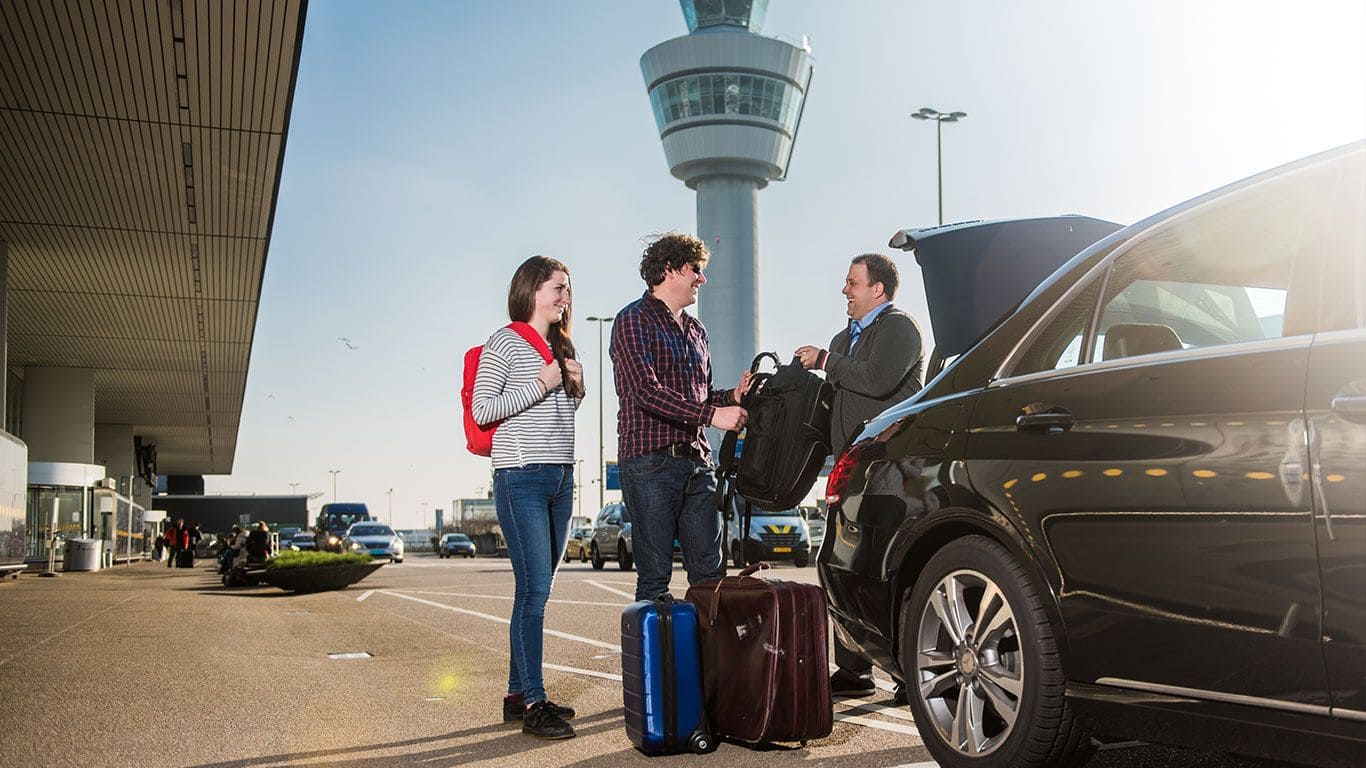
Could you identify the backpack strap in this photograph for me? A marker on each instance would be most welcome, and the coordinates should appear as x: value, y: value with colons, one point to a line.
x: 534, y: 338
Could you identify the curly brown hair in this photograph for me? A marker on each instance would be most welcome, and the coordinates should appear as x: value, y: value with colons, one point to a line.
x: 671, y: 250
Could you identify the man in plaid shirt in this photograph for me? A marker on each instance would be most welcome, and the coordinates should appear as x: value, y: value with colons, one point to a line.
x: 663, y: 378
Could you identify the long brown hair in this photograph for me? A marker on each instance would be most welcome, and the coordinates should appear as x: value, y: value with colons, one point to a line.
x: 522, y: 304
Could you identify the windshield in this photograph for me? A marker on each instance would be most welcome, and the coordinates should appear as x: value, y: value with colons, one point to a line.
x: 371, y: 530
x: 457, y: 537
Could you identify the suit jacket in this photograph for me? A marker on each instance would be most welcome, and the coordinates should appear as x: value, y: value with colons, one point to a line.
x: 883, y: 370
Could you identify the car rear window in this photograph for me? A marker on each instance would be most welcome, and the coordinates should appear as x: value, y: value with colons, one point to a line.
x: 371, y: 530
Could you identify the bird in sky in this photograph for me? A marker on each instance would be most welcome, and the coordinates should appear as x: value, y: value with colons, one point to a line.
x: 347, y: 342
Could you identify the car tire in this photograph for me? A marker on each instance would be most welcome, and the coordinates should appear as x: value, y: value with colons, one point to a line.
x: 597, y: 558
x: 1011, y: 678
x: 583, y: 555
x: 398, y: 559
x: 801, y: 560
x: 624, y: 559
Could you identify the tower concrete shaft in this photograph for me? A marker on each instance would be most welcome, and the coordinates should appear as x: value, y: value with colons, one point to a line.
x: 728, y: 220
x: 728, y: 103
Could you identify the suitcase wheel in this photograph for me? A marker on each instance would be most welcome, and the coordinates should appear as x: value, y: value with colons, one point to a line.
x: 702, y: 743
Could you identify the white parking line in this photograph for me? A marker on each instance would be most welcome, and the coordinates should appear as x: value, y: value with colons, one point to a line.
x: 883, y: 710
x: 501, y: 620
x: 577, y: 671
x: 930, y: 764
x: 501, y: 597
x: 842, y: 716
x: 613, y: 590
x: 364, y: 595
x: 878, y: 724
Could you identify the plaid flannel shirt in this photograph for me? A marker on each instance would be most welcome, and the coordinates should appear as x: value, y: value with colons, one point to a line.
x: 663, y: 378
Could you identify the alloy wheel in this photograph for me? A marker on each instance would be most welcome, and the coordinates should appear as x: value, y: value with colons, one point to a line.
x: 969, y: 667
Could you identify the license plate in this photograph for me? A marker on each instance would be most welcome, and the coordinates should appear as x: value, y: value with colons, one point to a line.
x: 782, y: 549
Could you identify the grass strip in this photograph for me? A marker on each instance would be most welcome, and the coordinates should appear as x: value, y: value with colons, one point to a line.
x: 292, y: 559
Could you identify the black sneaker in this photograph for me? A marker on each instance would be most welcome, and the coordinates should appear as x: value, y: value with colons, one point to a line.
x: 899, y: 696
x: 848, y: 684
x: 543, y: 721
x: 514, y: 709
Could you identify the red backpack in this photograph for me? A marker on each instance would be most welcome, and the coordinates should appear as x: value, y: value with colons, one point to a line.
x: 478, y: 437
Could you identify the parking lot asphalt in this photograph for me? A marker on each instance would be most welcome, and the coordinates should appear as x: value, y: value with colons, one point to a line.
x: 144, y: 665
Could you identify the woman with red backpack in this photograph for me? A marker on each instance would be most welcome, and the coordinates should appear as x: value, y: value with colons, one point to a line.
x: 533, y: 461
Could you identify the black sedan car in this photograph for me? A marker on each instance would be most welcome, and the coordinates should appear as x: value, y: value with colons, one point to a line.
x: 1133, y: 503
x: 455, y: 545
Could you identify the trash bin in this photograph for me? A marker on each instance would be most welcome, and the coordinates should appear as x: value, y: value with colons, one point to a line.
x: 82, y: 555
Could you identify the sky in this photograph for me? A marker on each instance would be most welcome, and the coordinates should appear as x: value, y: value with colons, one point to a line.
x: 434, y: 146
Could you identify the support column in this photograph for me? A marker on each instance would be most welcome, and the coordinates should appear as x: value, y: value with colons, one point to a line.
x: 114, y: 449
x: 4, y: 334
x: 59, y: 414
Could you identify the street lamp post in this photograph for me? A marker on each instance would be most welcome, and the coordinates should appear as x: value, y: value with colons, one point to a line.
x: 390, y: 494
x: 294, y: 488
x: 334, y: 472
x: 578, y: 483
x: 602, y: 384
x: 939, y: 118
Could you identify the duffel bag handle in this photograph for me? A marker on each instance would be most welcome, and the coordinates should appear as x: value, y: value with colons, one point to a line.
x: 716, y: 591
x: 759, y: 358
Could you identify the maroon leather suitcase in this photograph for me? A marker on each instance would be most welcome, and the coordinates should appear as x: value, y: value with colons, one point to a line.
x: 764, y: 657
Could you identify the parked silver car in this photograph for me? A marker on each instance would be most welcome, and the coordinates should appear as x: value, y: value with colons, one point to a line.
x: 377, y: 539
x: 612, y: 537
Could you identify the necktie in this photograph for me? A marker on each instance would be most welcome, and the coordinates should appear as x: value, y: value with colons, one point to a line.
x: 854, y: 330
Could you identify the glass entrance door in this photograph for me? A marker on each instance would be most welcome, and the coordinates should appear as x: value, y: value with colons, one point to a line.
x: 73, y: 516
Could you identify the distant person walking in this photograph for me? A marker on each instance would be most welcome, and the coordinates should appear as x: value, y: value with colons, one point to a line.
x: 173, y: 542
x: 533, y: 469
x: 663, y: 375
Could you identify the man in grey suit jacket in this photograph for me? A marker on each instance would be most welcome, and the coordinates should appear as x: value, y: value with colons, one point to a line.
x: 874, y: 363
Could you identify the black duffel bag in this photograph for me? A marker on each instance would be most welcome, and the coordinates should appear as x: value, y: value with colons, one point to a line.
x: 786, y: 439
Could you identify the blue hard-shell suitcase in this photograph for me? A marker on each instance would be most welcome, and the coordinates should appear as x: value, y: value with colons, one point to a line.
x: 661, y: 663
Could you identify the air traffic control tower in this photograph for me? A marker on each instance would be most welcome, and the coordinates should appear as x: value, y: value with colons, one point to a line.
x: 728, y: 102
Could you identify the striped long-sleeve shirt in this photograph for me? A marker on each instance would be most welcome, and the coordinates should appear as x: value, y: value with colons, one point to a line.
x: 536, y: 428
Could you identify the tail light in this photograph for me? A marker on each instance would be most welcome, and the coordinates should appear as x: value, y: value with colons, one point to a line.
x: 844, y: 470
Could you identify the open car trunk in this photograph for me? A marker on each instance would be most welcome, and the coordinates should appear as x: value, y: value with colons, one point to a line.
x: 976, y: 272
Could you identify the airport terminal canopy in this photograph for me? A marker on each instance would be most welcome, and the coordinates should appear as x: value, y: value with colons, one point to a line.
x: 142, y: 154
x: 703, y: 14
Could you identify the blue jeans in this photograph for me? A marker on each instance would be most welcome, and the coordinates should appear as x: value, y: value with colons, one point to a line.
x: 671, y: 497
x: 534, y: 505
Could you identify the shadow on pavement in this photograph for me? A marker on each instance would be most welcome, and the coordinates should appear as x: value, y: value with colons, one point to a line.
x: 513, y: 742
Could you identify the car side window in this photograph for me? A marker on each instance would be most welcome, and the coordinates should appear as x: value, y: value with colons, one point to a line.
x: 1224, y: 275
x: 1059, y: 345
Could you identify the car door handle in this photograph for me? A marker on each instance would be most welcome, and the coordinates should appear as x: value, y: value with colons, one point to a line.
x: 1044, y: 418
x: 1350, y: 407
